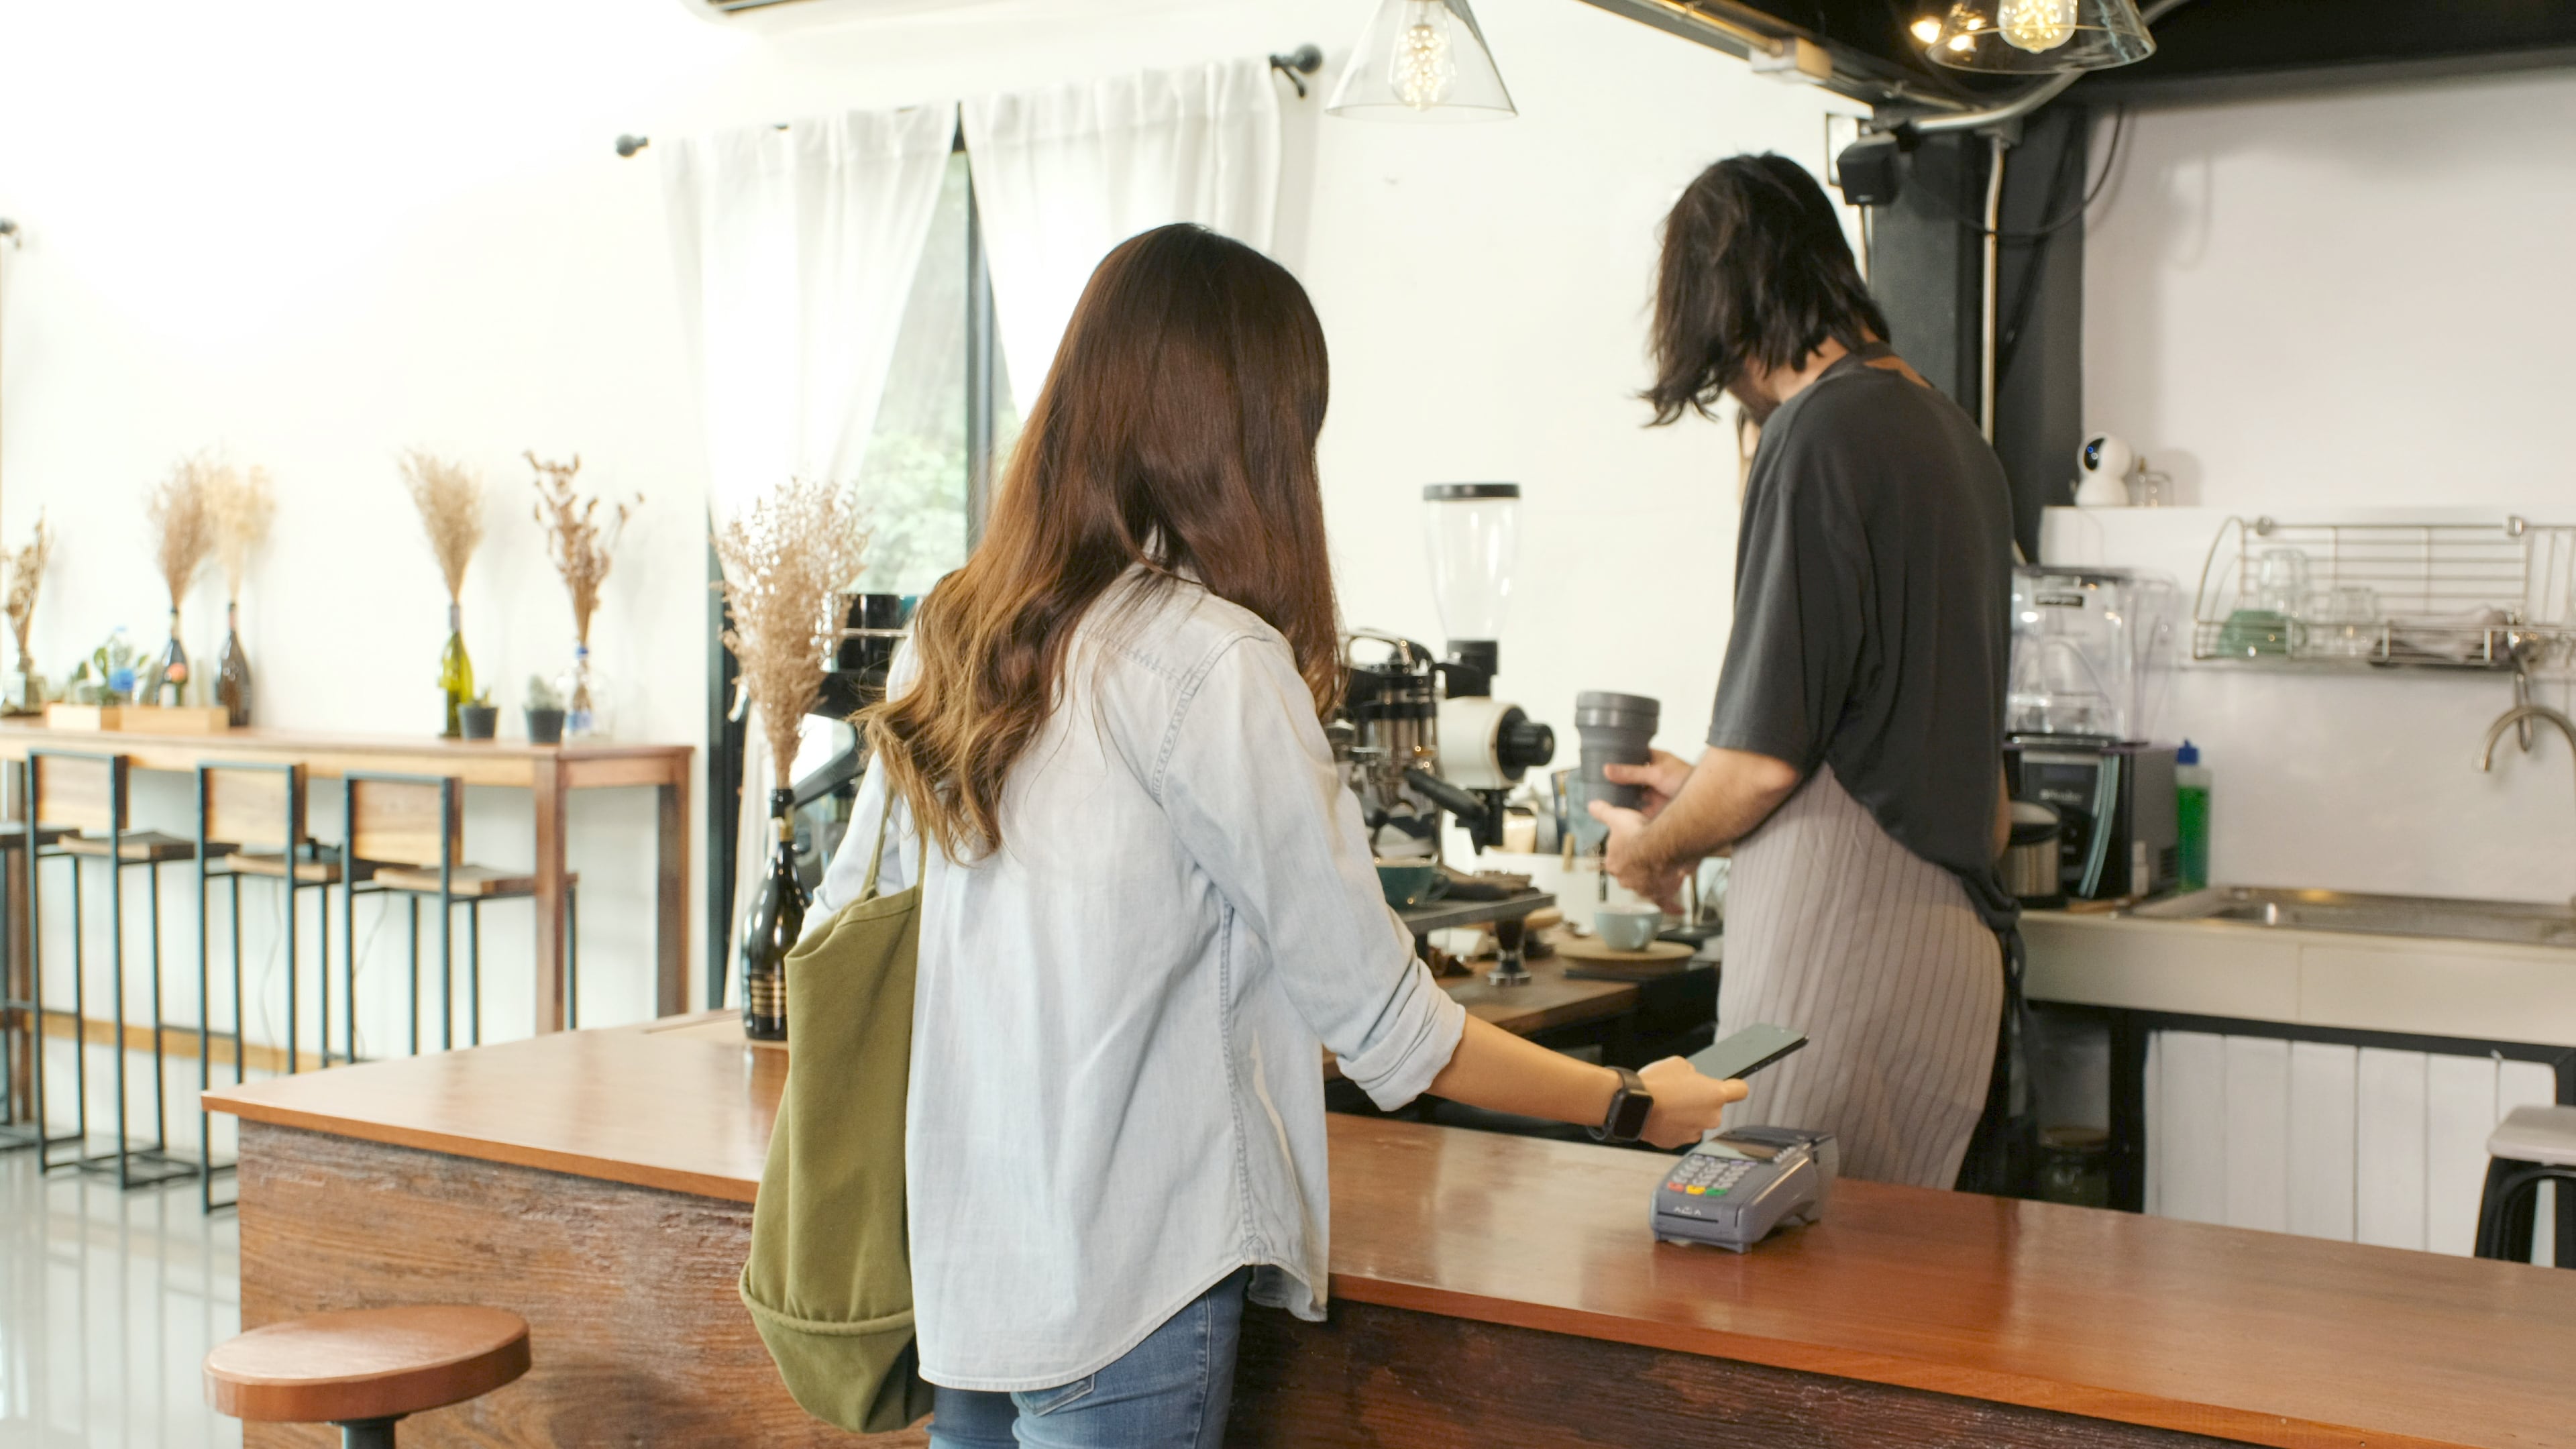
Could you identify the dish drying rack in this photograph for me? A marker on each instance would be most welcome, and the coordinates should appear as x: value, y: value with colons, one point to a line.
x: 2497, y: 597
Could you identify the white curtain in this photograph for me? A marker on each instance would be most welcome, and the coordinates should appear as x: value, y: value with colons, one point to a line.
x: 1064, y: 174
x: 795, y: 249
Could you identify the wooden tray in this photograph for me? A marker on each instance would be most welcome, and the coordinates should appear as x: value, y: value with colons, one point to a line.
x: 148, y: 719
x: 1587, y: 959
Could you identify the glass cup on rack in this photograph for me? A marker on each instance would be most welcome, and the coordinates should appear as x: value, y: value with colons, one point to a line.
x: 2340, y: 623
x: 2281, y: 580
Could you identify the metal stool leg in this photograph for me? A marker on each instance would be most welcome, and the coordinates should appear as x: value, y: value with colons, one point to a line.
x: 414, y: 903
x: 572, y: 957
x: 2507, y: 1210
x: 474, y: 971
x: 366, y: 1433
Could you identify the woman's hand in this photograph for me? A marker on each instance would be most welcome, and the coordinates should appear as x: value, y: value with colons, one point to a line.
x: 1687, y: 1104
x: 1661, y: 776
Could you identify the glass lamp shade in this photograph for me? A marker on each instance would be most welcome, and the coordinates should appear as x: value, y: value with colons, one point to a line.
x: 1422, y: 60
x: 1472, y: 534
x: 2035, y: 37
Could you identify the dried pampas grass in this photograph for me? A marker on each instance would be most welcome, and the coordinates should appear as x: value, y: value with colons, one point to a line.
x: 577, y: 539
x: 181, y: 512
x: 785, y: 561
x: 26, y: 573
x: 243, y: 506
x: 450, y: 499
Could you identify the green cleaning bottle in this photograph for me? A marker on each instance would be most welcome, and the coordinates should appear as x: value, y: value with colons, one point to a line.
x: 2191, y: 815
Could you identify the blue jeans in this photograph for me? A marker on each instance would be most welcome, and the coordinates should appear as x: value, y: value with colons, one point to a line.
x: 1169, y: 1392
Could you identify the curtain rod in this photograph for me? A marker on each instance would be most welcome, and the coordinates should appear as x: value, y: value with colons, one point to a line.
x: 1297, y: 64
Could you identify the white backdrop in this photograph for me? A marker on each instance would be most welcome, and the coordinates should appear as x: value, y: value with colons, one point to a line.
x: 1065, y: 173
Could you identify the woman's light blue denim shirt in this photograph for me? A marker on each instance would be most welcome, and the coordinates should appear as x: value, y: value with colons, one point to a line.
x: 1117, y: 1096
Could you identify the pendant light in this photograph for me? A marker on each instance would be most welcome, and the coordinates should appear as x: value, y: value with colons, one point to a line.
x: 1422, y: 60
x: 2027, y: 37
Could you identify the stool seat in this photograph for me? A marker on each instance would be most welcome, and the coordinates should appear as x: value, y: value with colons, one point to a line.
x: 370, y: 1363
x: 481, y: 882
x: 13, y: 834
x: 273, y: 866
x: 135, y: 846
x: 2545, y: 1135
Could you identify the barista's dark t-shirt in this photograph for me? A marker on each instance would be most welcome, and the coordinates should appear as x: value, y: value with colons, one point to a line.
x: 1872, y: 608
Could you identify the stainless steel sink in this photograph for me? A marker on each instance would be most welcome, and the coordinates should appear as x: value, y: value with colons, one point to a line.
x: 2515, y: 923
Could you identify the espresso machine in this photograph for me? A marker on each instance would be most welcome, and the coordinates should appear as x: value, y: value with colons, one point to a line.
x: 1422, y: 736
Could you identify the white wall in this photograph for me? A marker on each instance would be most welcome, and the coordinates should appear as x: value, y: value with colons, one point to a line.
x: 2321, y: 307
x: 317, y: 233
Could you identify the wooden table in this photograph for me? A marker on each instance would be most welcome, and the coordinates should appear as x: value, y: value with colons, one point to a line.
x: 1488, y: 1290
x: 549, y: 772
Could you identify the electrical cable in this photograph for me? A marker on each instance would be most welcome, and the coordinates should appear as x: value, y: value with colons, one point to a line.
x: 2093, y: 193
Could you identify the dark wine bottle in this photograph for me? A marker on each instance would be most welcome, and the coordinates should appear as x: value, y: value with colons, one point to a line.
x: 770, y: 928
x: 170, y: 675
x: 232, y: 672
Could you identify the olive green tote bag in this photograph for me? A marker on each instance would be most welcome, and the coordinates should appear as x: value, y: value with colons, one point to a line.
x: 829, y: 1282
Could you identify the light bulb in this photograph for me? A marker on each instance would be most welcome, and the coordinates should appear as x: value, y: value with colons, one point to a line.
x: 2036, y: 25
x: 1927, y: 29
x: 1421, y: 69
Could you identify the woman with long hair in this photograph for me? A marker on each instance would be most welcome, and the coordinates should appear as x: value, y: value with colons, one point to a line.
x: 1146, y: 893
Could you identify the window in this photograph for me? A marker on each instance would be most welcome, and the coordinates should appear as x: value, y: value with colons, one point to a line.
x: 946, y: 407
x: 943, y: 422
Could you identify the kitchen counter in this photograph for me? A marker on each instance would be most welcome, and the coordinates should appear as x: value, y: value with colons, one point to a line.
x: 1487, y: 1289
x: 2336, y: 979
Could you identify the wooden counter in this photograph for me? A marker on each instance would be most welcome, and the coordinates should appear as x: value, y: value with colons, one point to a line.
x: 550, y: 773
x: 1489, y: 1290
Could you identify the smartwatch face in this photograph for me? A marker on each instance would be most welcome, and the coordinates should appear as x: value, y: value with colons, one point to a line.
x: 1633, y: 1107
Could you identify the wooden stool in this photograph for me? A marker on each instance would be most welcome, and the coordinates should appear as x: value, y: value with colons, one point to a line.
x: 405, y: 836
x: 364, y: 1369
x: 75, y: 790
x: 2532, y: 1145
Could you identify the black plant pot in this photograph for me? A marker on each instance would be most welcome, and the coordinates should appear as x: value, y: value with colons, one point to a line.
x: 479, y: 721
x: 545, y: 726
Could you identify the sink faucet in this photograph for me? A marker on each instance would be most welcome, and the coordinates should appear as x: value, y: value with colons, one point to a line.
x: 2525, y: 715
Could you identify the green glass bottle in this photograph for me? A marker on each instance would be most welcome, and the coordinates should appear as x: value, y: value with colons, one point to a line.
x: 771, y: 928
x: 455, y: 672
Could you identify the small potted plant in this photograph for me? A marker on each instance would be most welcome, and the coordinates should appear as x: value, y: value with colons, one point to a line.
x: 481, y: 719
x: 545, y: 712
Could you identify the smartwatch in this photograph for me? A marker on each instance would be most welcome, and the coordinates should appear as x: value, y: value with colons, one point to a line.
x: 1628, y: 1108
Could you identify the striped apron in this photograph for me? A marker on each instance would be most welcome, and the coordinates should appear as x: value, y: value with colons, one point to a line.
x: 1835, y: 930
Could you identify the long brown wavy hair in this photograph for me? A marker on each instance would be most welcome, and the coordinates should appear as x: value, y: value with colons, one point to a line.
x: 1177, y: 431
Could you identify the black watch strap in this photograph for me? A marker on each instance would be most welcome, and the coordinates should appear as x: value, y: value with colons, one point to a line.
x: 1629, y: 1107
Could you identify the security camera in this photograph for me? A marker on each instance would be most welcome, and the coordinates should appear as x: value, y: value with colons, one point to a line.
x: 2106, y: 456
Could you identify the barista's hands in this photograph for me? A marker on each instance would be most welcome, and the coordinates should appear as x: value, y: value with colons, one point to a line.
x: 1628, y: 859
x: 1662, y: 776
x: 1686, y: 1103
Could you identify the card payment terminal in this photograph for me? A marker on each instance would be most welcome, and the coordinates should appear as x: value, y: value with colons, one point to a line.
x: 1734, y: 1188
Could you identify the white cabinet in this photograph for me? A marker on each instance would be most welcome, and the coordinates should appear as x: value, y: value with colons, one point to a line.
x: 2358, y: 1143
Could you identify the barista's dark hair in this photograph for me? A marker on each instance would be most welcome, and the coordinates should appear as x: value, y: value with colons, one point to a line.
x: 1754, y: 271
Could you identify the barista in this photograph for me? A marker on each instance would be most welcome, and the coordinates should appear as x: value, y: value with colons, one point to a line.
x: 1852, y: 762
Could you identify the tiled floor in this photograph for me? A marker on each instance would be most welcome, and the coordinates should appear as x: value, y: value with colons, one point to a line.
x: 108, y: 1301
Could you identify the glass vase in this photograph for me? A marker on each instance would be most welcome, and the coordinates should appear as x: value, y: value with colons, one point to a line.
x: 455, y: 672
x: 170, y: 673
x: 232, y: 672
x: 585, y: 692
x: 771, y: 926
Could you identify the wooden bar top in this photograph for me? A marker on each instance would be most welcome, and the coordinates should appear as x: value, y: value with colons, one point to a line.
x: 2254, y: 1336
x: 585, y: 765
